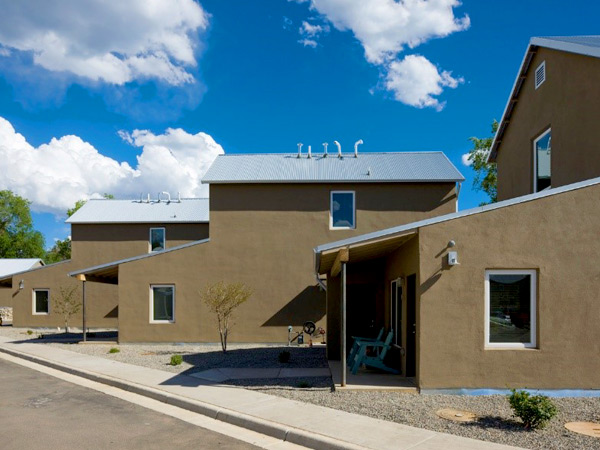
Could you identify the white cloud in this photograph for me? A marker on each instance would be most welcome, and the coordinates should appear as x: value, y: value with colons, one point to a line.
x: 386, y: 28
x: 465, y: 159
x: 114, y: 42
x: 415, y: 80
x: 308, y: 43
x: 55, y: 175
x: 310, y: 32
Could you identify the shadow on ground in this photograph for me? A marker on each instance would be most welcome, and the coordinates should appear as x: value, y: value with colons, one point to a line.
x: 66, y: 338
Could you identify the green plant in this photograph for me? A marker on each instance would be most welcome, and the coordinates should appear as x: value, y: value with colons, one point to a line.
x: 114, y: 350
x: 29, y: 332
x: 67, y: 304
x: 284, y: 356
x: 176, y: 360
x: 534, y: 410
x: 304, y: 384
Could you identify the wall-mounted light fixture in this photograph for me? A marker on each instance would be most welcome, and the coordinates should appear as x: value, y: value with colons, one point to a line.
x: 451, y: 244
x: 21, y: 285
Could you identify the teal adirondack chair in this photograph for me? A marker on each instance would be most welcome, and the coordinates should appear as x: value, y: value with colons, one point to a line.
x: 374, y: 361
x: 358, y: 341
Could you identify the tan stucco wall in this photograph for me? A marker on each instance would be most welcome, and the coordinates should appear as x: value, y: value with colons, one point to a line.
x: 263, y: 235
x: 558, y: 237
x: 568, y: 102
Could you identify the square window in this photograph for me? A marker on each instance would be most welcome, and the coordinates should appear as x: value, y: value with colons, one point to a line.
x: 157, y: 239
x: 41, y: 301
x: 162, y: 304
x: 342, y: 210
x: 510, y: 298
x: 542, y: 147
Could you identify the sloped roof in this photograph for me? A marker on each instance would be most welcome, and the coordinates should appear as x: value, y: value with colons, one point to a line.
x: 367, y: 167
x: 188, y: 210
x: 583, y: 45
x: 9, y: 266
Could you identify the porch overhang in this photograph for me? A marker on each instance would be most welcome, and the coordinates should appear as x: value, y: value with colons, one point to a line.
x: 99, y: 274
x: 6, y: 282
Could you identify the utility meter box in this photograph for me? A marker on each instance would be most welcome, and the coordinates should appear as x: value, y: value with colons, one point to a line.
x: 452, y: 258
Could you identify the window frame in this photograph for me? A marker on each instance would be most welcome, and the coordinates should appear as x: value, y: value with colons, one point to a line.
x: 34, y: 305
x: 164, y: 230
x: 331, y: 227
x: 533, y: 309
x: 535, y: 158
x: 152, y: 286
x: 395, y: 286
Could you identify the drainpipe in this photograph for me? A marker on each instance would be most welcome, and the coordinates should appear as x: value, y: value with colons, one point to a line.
x: 81, y: 278
x: 344, y: 368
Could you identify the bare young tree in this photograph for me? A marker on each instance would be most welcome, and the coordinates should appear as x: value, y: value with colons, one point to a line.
x: 222, y: 299
x: 67, y: 304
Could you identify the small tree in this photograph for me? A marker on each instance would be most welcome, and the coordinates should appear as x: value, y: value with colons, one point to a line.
x: 222, y: 299
x: 66, y: 304
x: 486, y: 173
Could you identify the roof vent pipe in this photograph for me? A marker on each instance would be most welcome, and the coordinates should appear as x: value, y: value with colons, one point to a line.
x: 325, y: 144
x: 356, y: 144
x: 148, y: 198
x: 167, y: 194
x: 339, y: 148
x: 299, y: 149
x: 309, y: 155
x: 178, y: 197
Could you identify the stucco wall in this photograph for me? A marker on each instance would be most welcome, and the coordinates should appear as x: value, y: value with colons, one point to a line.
x: 567, y: 102
x: 558, y: 237
x: 263, y: 235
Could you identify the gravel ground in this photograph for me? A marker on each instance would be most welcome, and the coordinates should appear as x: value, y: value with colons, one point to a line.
x: 495, y: 424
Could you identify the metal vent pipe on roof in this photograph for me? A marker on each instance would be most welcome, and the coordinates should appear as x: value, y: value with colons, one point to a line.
x: 325, y: 144
x: 148, y: 198
x: 309, y: 155
x: 339, y: 148
x: 164, y: 193
x: 356, y: 144
x: 299, y: 149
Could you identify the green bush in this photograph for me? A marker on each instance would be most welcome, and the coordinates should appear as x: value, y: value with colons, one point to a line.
x: 29, y: 332
x: 534, y: 410
x: 176, y: 360
x: 114, y: 350
x: 284, y: 356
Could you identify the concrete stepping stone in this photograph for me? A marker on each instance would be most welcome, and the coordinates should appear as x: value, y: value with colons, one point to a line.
x: 456, y: 415
x: 588, y: 428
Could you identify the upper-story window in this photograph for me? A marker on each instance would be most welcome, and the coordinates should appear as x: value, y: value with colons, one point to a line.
x: 342, y: 211
x: 157, y: 239
x: 541, y: 161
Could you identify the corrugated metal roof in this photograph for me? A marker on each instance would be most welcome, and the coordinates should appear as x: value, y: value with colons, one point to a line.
x: 368, y: 167
x: 134, y: 211
x: 10, y: 266
x: 585, y: 45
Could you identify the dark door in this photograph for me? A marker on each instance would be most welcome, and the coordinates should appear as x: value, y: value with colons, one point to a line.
x: 361, y: 312
x: 411, y: 325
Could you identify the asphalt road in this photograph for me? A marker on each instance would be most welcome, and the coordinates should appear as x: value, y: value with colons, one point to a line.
x: 38, y: 411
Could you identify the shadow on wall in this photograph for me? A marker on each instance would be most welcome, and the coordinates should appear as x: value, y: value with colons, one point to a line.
x: 307, y: 305
x: 113, y: 314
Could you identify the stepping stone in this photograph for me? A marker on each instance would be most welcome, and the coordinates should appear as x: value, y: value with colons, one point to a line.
x: 588, y: 428
x: 456, y: 415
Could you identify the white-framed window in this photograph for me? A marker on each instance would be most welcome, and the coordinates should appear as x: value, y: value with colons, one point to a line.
x: 540, y: 74
x: 542, y: 166
x: 157, y: 240
x: 162, y: 303
x: 396, y: 311
x: 342, y: 210
x: 510, y: 308
x: 41, y: 301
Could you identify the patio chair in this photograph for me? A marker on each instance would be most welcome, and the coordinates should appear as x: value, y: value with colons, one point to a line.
x: 374, y: 361
x: 361, y: 340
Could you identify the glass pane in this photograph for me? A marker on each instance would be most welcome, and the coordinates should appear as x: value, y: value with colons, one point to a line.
x: 41, y: 301
x: 542, y: 150
x: 342, y: 209
x: 163, y: 303
x: 157, y: 239
x: 510, y: 308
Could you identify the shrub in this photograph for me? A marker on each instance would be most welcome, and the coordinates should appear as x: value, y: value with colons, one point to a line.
x: 534, y: 410
x: 176, y: 360
x: 29, y: 332
x: 284, y: 356
x: 114, y: 350
x: 304, y: 384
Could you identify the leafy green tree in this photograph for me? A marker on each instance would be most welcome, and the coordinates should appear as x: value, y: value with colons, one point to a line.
x: 18, y: 238
x: 486, y: 173
x: 74, y: 209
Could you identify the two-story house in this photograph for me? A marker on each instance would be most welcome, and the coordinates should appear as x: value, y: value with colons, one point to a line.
x: 101, y: 231
x: 267, y: 212
x: 505, y: 295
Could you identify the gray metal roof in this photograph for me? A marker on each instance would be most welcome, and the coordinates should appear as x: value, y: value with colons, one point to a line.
x: 10, y: 266
x: 368, y: 167
x: 584, y: 45
x: 134, y: 211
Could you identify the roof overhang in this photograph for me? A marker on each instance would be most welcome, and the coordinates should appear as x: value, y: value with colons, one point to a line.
x: 6, y: 281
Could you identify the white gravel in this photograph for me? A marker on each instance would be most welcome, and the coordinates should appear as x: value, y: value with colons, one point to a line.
x: 496, y: 423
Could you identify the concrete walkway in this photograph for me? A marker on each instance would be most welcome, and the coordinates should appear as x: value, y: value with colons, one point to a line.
x: 224, y: 374
x: 300, y: 423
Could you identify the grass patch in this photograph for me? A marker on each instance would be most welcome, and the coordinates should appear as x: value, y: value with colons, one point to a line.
x: 29, y: 332
x: 114, y: 350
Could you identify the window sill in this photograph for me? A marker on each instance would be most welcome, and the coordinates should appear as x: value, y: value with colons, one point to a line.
x: 512, y: 348
x: 162, y: 321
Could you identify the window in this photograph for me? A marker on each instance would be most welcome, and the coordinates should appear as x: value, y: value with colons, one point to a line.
x: 342, y: 210
x: 157, y: 239
x: 396, y: 311
x: 541, y: 161
x: 41, y: 301
x: 510, y: 308
x: 540, y: 74
x: 162, y: 303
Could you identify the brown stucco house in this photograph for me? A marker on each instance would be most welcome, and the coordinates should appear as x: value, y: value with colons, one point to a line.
x: 267, y: 212
x: 103, y: 230
x: 505, y: 295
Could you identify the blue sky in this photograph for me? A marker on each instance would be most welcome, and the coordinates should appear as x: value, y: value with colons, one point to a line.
x: 142, y: 98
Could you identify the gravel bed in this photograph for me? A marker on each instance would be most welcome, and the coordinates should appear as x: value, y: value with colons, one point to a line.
x: 495, y: 424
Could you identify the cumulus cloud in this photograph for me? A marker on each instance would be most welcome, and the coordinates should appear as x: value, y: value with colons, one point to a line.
x: 386, y: 28
x: 54, y: 176
x: 310, y: 32
x: 465, y: 159
x: 113, y: 42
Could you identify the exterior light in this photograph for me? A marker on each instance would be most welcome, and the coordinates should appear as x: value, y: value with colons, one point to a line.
x: 21, y: 285
x: 451, y: 244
